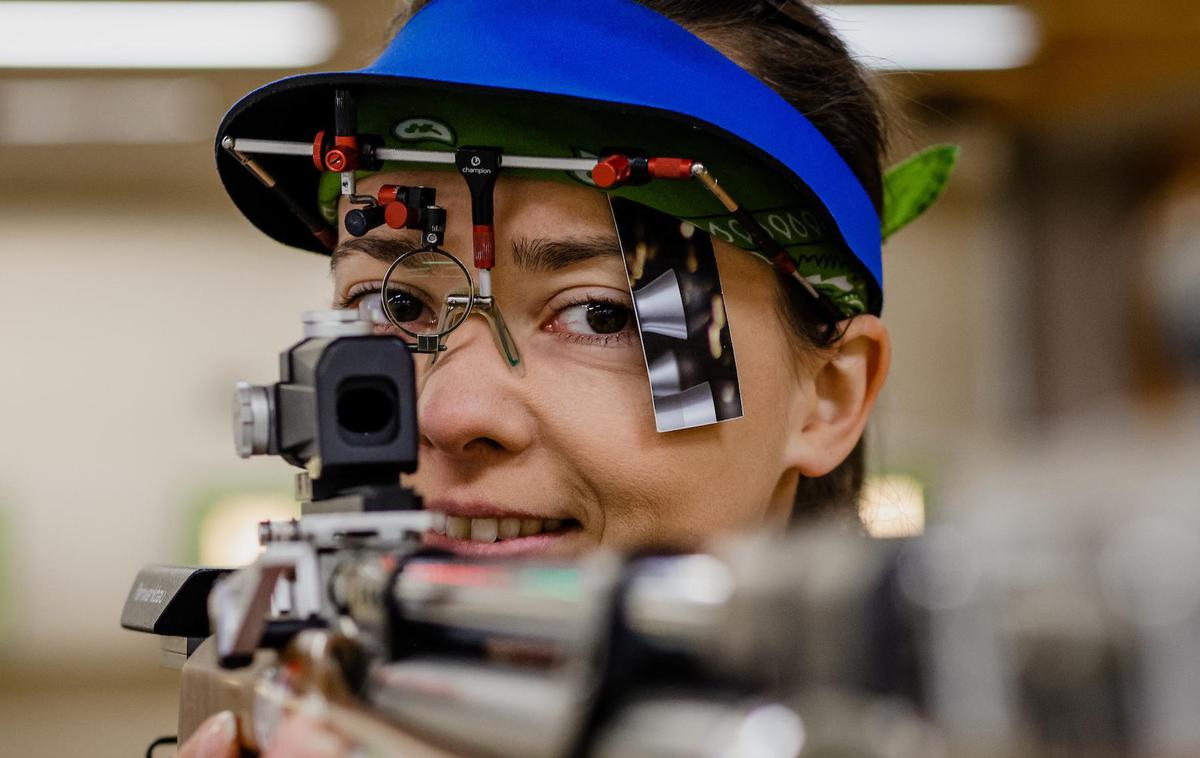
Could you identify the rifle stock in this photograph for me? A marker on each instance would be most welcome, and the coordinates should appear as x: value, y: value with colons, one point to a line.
x: 258, y: 701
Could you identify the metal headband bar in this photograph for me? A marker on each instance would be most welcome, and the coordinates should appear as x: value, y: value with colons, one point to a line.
x: 280, y: 147
x: 552, y: 164
x: 269, y: 147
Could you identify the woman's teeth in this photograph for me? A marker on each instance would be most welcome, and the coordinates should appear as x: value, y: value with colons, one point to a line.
x: 491, y: 529
x: 509, y: 528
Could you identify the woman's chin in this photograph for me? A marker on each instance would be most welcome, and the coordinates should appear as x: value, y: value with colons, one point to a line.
x: 566, y: 543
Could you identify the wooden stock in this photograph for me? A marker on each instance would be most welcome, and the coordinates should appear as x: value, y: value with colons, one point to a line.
x: 206, y: 689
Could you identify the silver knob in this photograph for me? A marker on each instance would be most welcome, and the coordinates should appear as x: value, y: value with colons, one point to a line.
x: 337, y: 323
x: 251, y: 419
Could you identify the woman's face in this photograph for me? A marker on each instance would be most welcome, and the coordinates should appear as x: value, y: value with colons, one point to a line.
x: 566, y: 457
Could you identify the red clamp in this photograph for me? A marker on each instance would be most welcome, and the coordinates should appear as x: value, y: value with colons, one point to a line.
x: 390, y: 193
x: 617, y: 170
x: 344, y: 154
x: 611, y: 171
x: 318, y: 151
x: 340, y: 155
x: 404, y: 206
x: 395, y: 211
x: 669, y: 168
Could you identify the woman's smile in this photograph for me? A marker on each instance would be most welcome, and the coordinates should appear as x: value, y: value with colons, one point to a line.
x: 485, y: 529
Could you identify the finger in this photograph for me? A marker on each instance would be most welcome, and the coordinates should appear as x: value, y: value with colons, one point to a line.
x: 300, y: 737
x: 215, y: 738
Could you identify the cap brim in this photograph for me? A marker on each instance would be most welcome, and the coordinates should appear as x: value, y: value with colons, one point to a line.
x: 556, y: 91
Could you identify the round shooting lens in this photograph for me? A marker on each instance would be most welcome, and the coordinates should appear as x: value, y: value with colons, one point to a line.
x: 427, y: 293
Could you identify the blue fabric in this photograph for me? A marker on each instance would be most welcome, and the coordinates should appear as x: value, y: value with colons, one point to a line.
x: 621, y: 52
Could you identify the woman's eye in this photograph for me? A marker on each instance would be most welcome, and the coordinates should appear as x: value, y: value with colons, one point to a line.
x: 595, y: 317
x: 404, y: 306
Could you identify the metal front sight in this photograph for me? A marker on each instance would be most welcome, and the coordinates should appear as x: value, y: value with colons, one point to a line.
x: 344, y: 410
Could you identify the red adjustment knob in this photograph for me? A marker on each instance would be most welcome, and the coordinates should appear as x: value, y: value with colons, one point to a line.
x: 670, y: 168
x: 343, y: 156
x: 611, y: 171
x: 387, y: 193
x: 340, y: 159
x: 318, y: 154
x: 483, y: 238
x: 395, y: 215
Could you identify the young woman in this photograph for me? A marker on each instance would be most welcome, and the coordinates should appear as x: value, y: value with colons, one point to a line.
x: 564, y: 456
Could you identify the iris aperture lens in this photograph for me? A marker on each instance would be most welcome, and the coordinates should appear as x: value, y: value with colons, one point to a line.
x: 405, y: 307
x: 427, y: 294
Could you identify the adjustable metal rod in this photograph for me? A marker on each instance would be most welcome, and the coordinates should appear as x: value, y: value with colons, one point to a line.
x: 434, y: 157
x: 272, y: 147
x: 315, y: 225
x: 765, y: 242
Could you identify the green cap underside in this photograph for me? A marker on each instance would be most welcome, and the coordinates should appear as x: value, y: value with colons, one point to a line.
x: 442, y: 122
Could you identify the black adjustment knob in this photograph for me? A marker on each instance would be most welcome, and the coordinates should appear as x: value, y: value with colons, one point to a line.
x: 362, y: 220
x: 433, y: 233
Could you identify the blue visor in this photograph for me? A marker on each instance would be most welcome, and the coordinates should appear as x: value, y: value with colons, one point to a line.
x: 569, y: 78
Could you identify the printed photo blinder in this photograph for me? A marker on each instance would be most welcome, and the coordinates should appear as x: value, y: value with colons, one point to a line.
x: 681, y: 318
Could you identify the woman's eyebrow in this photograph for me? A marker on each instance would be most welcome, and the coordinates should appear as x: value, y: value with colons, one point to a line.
x: 537, y: 255
x: 542, y: 255
x: 385, y: 249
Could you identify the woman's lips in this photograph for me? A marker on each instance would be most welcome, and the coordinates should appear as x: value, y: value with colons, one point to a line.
x: 477, y: 509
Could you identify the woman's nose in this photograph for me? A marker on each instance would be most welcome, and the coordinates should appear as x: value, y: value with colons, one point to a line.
x: 469, y: 401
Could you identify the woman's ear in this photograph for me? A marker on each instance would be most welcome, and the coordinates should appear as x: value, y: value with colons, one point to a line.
x: 832, y: 413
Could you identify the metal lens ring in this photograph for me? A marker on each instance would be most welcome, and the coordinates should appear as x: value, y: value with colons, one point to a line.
x: 427, y: 294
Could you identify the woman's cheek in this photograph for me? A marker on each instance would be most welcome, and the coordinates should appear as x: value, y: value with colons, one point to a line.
x: 680, y: 489
x: 672, y: 489
x: 600, y: 428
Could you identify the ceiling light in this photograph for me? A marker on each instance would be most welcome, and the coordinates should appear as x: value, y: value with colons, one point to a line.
x: 936, y: 37
x: 167, y: 35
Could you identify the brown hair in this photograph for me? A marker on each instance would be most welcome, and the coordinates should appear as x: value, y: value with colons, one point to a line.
x: 794, y: 51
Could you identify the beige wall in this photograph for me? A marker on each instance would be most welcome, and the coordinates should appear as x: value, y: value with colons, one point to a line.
x: 125, y: 325
x: 126, y: 320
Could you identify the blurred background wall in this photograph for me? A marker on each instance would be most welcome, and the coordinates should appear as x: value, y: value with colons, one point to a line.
x: 133, y: 295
